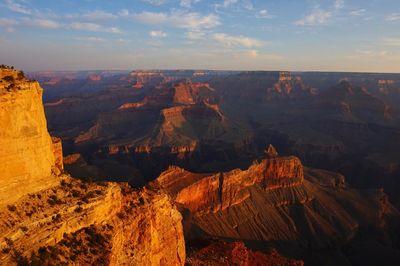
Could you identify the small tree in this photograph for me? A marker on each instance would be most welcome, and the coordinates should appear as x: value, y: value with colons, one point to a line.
x: 9, y: 78
x: 21, y: 75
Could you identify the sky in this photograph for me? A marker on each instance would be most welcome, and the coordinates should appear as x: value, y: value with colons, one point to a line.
x: 294, y: 35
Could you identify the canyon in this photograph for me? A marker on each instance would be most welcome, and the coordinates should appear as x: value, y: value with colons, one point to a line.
x: 51, y: 218
x: 220, y: 120
x: 168, y: 167
x: 278, y: 202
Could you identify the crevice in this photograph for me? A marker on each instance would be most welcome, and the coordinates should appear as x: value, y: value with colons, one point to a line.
x: 220, y: 188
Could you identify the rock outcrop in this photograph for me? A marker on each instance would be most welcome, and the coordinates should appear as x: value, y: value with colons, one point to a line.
x: 236, y: 253
x: 174, y: 122
x: 219, y: 191
x: 27, y: 154
x: 276, y: 201
x: 80, y: 223
x: 50, y: 218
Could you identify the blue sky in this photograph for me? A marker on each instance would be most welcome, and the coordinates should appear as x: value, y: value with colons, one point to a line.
x: 324, y: 35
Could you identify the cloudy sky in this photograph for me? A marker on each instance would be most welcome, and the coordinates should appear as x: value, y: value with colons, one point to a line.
x: 324, y: 35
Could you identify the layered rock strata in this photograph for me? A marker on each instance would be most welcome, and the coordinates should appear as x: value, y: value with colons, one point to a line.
x: 50, y: 218
x: 274, y: 200
x: 27, y: 153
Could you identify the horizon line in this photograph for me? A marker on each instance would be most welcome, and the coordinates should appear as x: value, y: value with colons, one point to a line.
x: 214, y: 70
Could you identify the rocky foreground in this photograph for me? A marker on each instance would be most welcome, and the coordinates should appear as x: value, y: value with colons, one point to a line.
x: 49, y: 218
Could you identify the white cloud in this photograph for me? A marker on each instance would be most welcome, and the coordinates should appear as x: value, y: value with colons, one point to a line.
x: 317, y: 17
x: 84, y: 26
x: 157, y: 34
x: 252, y: 53
x: 393, y: 17
x: 43, y: 23
x: 123, y: 13
x: 191, y: 20
x: 92, y: 15
x: 371, y: 53
x: 392, y: 41
x: 339, y: 4
x: 320, y: 16
x: 98, y: 15
x: 358, y: 12
x: 248, y: 5
x: 8, y: 24
x: 17, y: 7
x: 195, y: 35
x: 228, y: 40
x: 263, y: 13
x: 155, y: 2
x: 90, y: 39
x: 239, y: 4
x: 227, y: 3
x: 188, y: 3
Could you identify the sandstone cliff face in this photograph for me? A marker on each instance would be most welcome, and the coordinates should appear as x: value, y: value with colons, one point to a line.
x: 275, y: 200
x: 216, y: 192
x: 49, y: 218
x: 152, y: 231
x: 26, y: 149
x: 80, y: 223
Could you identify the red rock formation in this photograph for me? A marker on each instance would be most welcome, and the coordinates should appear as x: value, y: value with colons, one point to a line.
x: 49, y: 218
x: 223, y: 253
x: 27, y: 153
x: 216, y: 192
x: 132, y: 105
x: 94, y: 77
x: 144, y: 77
x: 58, y: 153
x: 190, y: 93
x: 72, y: 158
x: 274, y: 200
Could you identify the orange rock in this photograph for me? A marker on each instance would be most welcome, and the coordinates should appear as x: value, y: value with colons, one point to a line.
x: 223, y: 253
x: 27, y: 154
x: 218, y: 191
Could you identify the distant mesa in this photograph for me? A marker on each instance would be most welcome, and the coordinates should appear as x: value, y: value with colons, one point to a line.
x: 285, y: 76
x: 275, y: 199
x: 95, y: 77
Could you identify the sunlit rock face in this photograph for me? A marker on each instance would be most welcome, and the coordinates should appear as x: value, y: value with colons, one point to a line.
x: 84, y: 224
x: 276, y: 199
x: 26, y: 148
x: 219, y: 191
x: 50, y: 218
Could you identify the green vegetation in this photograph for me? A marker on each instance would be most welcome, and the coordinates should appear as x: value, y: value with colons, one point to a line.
x: 9, y: 78
x: 2, y: 66
x: 21, y: 75
x: 11, y: 208
x: 53, y: 200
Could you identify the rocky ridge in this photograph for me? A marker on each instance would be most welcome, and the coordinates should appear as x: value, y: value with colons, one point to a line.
x: 276, y: 200
x: 28, y: 154
x: 48, y: 217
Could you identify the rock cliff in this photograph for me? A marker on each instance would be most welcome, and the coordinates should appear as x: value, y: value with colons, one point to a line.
x: 276, y: 201
x: 27, y: 154
x: 77, y: 223
x: 219, y: 191
x: 50, y: 218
